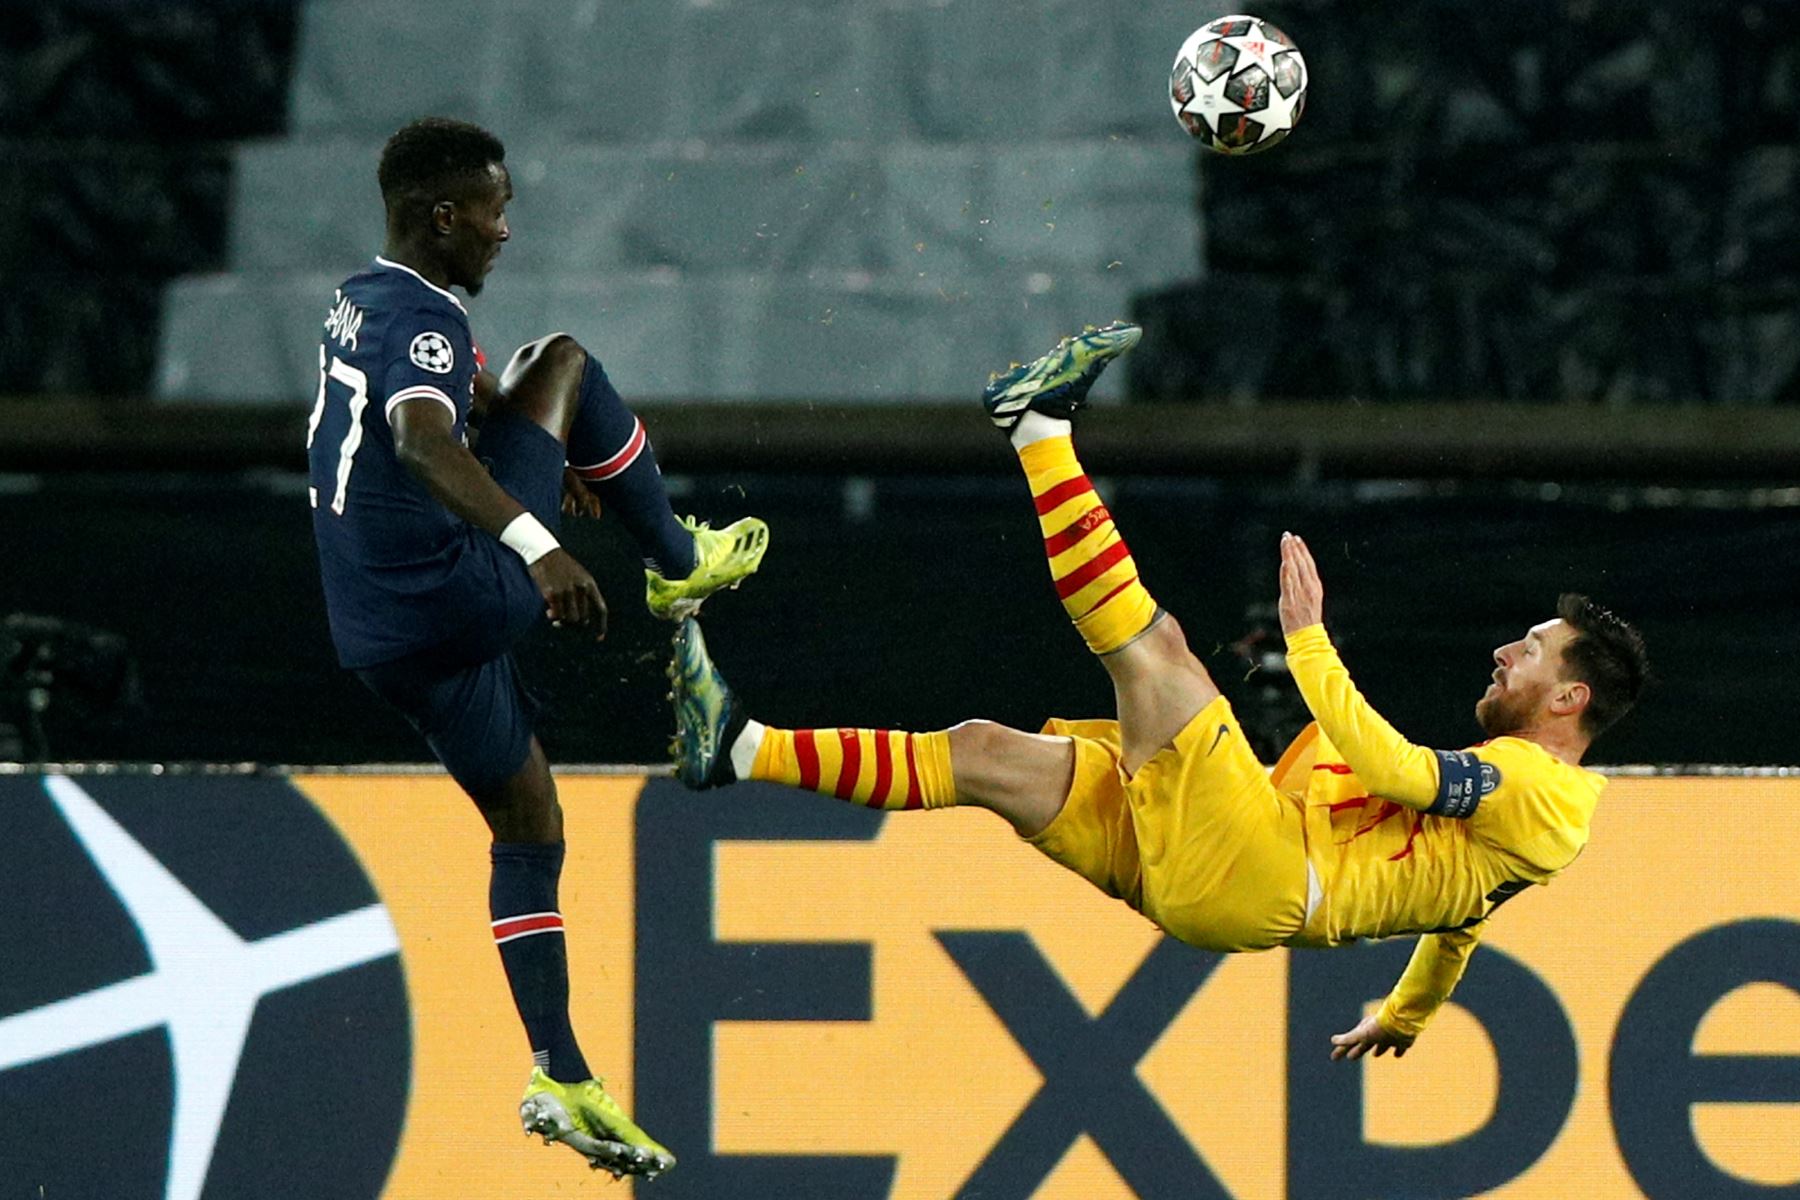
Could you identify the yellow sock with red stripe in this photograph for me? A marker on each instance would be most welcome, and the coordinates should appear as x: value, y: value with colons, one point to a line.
x: 1096, y: 578
x: 877, y: 768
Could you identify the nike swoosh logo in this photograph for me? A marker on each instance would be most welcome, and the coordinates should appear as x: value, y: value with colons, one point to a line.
x: 1217, y: 738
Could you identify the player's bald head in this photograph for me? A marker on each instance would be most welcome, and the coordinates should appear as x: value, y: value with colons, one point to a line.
x: 433, y: 159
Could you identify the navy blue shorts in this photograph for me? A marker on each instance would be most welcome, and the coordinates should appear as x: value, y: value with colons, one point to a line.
x: 477, y: 719
x: 465, y: 695
x: 528, y: 462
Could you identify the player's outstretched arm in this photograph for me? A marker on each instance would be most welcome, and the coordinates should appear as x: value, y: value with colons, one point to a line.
x: 1388, y: 765
x: 425, y: 441
x: 1368, y: 1036
x: 1436, y: 967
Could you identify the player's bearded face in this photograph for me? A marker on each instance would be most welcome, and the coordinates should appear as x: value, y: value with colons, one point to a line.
x: 1505, y: 710
x: 1526, y: 672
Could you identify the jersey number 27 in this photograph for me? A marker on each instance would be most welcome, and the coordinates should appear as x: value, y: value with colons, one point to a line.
x: 358, y: 383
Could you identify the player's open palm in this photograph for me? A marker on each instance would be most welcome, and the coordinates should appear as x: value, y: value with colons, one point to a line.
x: 1369, y: 1035
x: 571, y: 597
x: 1302, y: 595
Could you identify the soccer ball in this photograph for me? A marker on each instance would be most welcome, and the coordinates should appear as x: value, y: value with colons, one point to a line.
x: 1239, y: 85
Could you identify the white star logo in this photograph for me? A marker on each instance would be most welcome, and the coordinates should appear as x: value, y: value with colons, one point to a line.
x: 1258, y: 50
x: 204, y: 983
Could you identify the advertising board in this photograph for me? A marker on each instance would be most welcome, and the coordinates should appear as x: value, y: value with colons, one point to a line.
x: 287, y: 983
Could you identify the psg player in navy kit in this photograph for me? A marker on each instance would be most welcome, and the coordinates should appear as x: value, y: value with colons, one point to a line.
x: 436, y: 558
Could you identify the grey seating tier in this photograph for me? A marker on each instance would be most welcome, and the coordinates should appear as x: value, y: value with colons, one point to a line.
x: 811, y: 200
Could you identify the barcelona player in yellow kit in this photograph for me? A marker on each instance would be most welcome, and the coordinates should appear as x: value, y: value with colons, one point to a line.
x: 1355, y: 833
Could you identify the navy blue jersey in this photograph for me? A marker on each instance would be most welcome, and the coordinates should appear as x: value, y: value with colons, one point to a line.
x: 401, y: 572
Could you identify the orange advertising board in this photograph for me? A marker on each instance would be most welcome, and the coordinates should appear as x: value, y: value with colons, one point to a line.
x: 804, y: 999
x: 935, y: 1079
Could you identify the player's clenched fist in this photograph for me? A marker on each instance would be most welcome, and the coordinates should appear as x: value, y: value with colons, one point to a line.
x: 571, y: 597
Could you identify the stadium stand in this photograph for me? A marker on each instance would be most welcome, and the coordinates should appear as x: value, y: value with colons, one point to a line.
x: 1585, y: 203
x: 117, y: 129
x: 712, y: 268
x: 904, y: 188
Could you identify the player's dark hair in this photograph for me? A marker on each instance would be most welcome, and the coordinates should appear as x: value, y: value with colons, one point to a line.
x: 1608, y: 655
x: 433, y: 159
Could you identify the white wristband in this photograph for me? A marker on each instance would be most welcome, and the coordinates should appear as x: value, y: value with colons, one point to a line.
x: 526, y: 536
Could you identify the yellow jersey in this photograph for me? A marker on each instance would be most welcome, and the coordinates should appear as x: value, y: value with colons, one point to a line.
x: 1404, y: 839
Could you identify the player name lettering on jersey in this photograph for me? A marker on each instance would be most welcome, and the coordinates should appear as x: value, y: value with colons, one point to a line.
x: 345, y: 320
x: 390, y: 556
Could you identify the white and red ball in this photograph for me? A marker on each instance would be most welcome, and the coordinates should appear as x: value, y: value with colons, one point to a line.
x: 1239, y: 85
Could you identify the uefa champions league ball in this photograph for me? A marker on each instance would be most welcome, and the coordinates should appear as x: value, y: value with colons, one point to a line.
x: 1239, y: 85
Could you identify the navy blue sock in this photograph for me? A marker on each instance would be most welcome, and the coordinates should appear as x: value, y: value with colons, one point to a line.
x: 529, y: 931
x: 608, y: 449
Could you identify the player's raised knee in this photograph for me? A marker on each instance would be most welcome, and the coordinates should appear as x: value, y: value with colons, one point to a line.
x: 999, y: 753
x: 979, y: 740
x: 542, y: 383
x: 556, y: 352
x: 1022, y: 776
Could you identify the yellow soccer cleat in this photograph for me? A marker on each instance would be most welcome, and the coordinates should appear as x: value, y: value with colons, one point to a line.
x: 590, y: 1122
x: 723, y: 558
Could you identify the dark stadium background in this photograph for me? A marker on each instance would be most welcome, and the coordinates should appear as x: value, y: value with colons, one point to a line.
x: 1515, y: 315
